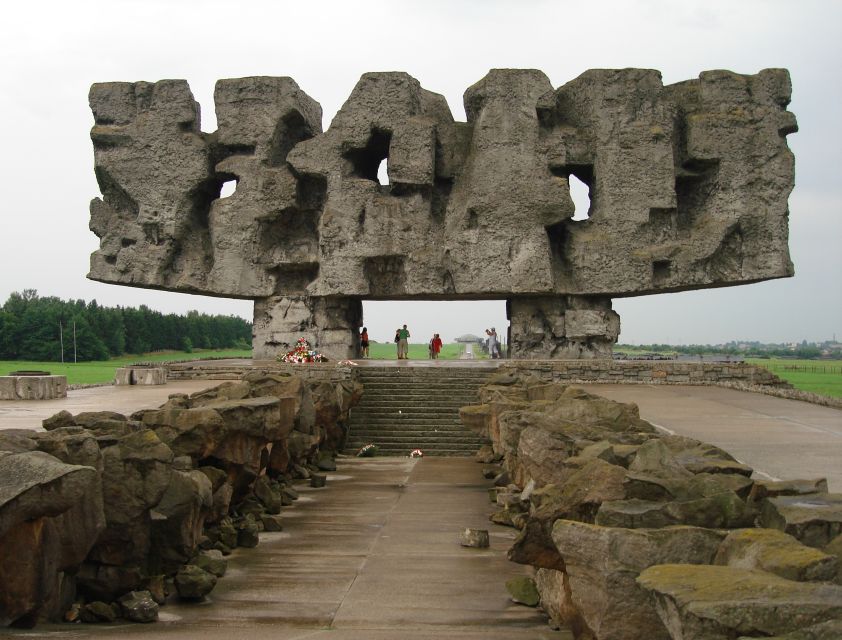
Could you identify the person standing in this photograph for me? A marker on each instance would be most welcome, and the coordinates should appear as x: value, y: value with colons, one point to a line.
x: 403, y: 343
x: 435, y: 346
x: 398, y: 342
x: 493, y: 345
x: 364, y: 342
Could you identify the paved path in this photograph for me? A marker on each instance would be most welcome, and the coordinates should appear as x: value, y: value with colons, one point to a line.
x: 779, y: 438
x: 374, y: 556
x: 28, y: 414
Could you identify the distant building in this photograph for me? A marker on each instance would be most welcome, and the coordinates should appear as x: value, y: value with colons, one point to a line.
x: 470, y: 337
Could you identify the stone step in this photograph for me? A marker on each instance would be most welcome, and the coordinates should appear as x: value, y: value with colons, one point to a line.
x: 405, y: 447
x: 403, y: 453
x: 406, y: 409
x: 425, y: 423
x: 398, y: 410
x: 450, y: 436
x: 399, y: 391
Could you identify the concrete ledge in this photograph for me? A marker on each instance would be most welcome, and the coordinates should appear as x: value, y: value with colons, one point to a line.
x: 140, y: 375
x: 39, y: 387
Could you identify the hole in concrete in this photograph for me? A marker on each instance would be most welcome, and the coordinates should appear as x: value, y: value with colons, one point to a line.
x: 383, y: 172
x: 370, y: 162
x: 451, y: 319
x: 289, y: 131
x: 473, y: 220
x: 228, y: 189
x: 661, y: 270
x: 580, y: 193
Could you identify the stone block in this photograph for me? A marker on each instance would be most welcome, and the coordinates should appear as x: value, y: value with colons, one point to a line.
x: 715, y: 602
x: 477, y: 538
x: 776, y: 552
x: 813, y: 519
x: 36, y: 387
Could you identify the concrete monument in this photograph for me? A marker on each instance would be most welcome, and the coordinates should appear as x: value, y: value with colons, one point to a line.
x: 688, y: 189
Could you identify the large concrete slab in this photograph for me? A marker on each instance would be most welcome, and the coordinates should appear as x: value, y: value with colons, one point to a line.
x: 779, y: 438
x: 373, y: 556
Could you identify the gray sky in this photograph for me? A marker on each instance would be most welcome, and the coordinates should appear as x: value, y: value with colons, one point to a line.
x: 51, y: 52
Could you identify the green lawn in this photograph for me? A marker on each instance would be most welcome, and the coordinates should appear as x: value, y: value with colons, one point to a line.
x: 817, y: 376
x: 103, y: 371
x: 389, y: 351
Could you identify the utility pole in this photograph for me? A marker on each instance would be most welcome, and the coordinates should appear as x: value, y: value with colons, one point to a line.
x: 61, y: 340
x: 74, y: 340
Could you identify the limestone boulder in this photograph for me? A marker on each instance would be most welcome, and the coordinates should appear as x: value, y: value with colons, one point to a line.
x: 540, y: 455
x: 36, y: 491
x: 578, y: 499
x: 286, y: 386
x: 332, y: 401
x: 633, y: 514
x: 774, y: 488
x: 702, y: 457
x: 522, y: 590
x: 830, y: 630
x: 194, y: 583
x: 603, y: 562
x: 477, y: 418
x: 720, y: 510
x: 138, y: 606
x: 17, y: 440
x: 718, y: 602
x: 813, y: 519
x: 137, y: 472
x: 34, y: 484
x: 776, y: 552
x: 555, y: 598
x: 179, y: 519
x: 211, y: 561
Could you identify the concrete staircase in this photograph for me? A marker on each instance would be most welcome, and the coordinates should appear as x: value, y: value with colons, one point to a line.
x: 406, y: 408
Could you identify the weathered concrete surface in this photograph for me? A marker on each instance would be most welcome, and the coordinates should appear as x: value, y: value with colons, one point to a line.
x: 28, y: 414
x: 140, y: 375
x: 374, y: 555
x: 778, y: 438
x: 32, y: 387
x: 688, y: 185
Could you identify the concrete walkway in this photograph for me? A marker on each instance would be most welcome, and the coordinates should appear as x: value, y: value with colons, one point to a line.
x: 28, y: 414
x: 780, y: 439
x: 374, y: 556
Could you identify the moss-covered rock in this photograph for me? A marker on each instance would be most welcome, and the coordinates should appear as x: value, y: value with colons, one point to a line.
x: 776, y: 552
x: 714, y: 602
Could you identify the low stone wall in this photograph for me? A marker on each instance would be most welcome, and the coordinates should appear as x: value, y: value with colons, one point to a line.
x: 637, y: 534
x: 328, y: 372
x: 33, y: 387
x: 646, y: 372
x: 104, y: 515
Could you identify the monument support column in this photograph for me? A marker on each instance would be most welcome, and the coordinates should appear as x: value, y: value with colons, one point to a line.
x: 561, y: 327
x: 331, y: 325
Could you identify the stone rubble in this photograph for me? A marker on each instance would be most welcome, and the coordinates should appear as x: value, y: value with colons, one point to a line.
x: 637, y: 534
x: 104, y: 515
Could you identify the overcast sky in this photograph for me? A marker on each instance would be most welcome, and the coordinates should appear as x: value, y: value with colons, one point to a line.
x: 51, y: 52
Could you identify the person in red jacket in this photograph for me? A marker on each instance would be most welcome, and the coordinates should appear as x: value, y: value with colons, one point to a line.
x: 435, y: 346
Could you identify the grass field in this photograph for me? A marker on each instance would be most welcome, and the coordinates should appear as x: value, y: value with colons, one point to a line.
x: 103, y: 371
x: 389, y: 351
x: 817, y: 376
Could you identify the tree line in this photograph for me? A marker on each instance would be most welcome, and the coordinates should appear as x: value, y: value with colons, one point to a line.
x: 36, y: 328
x: 803, y: 350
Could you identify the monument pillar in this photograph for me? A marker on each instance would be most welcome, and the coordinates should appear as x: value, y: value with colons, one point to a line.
x: 331, y: 325
x: 561, y: 327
